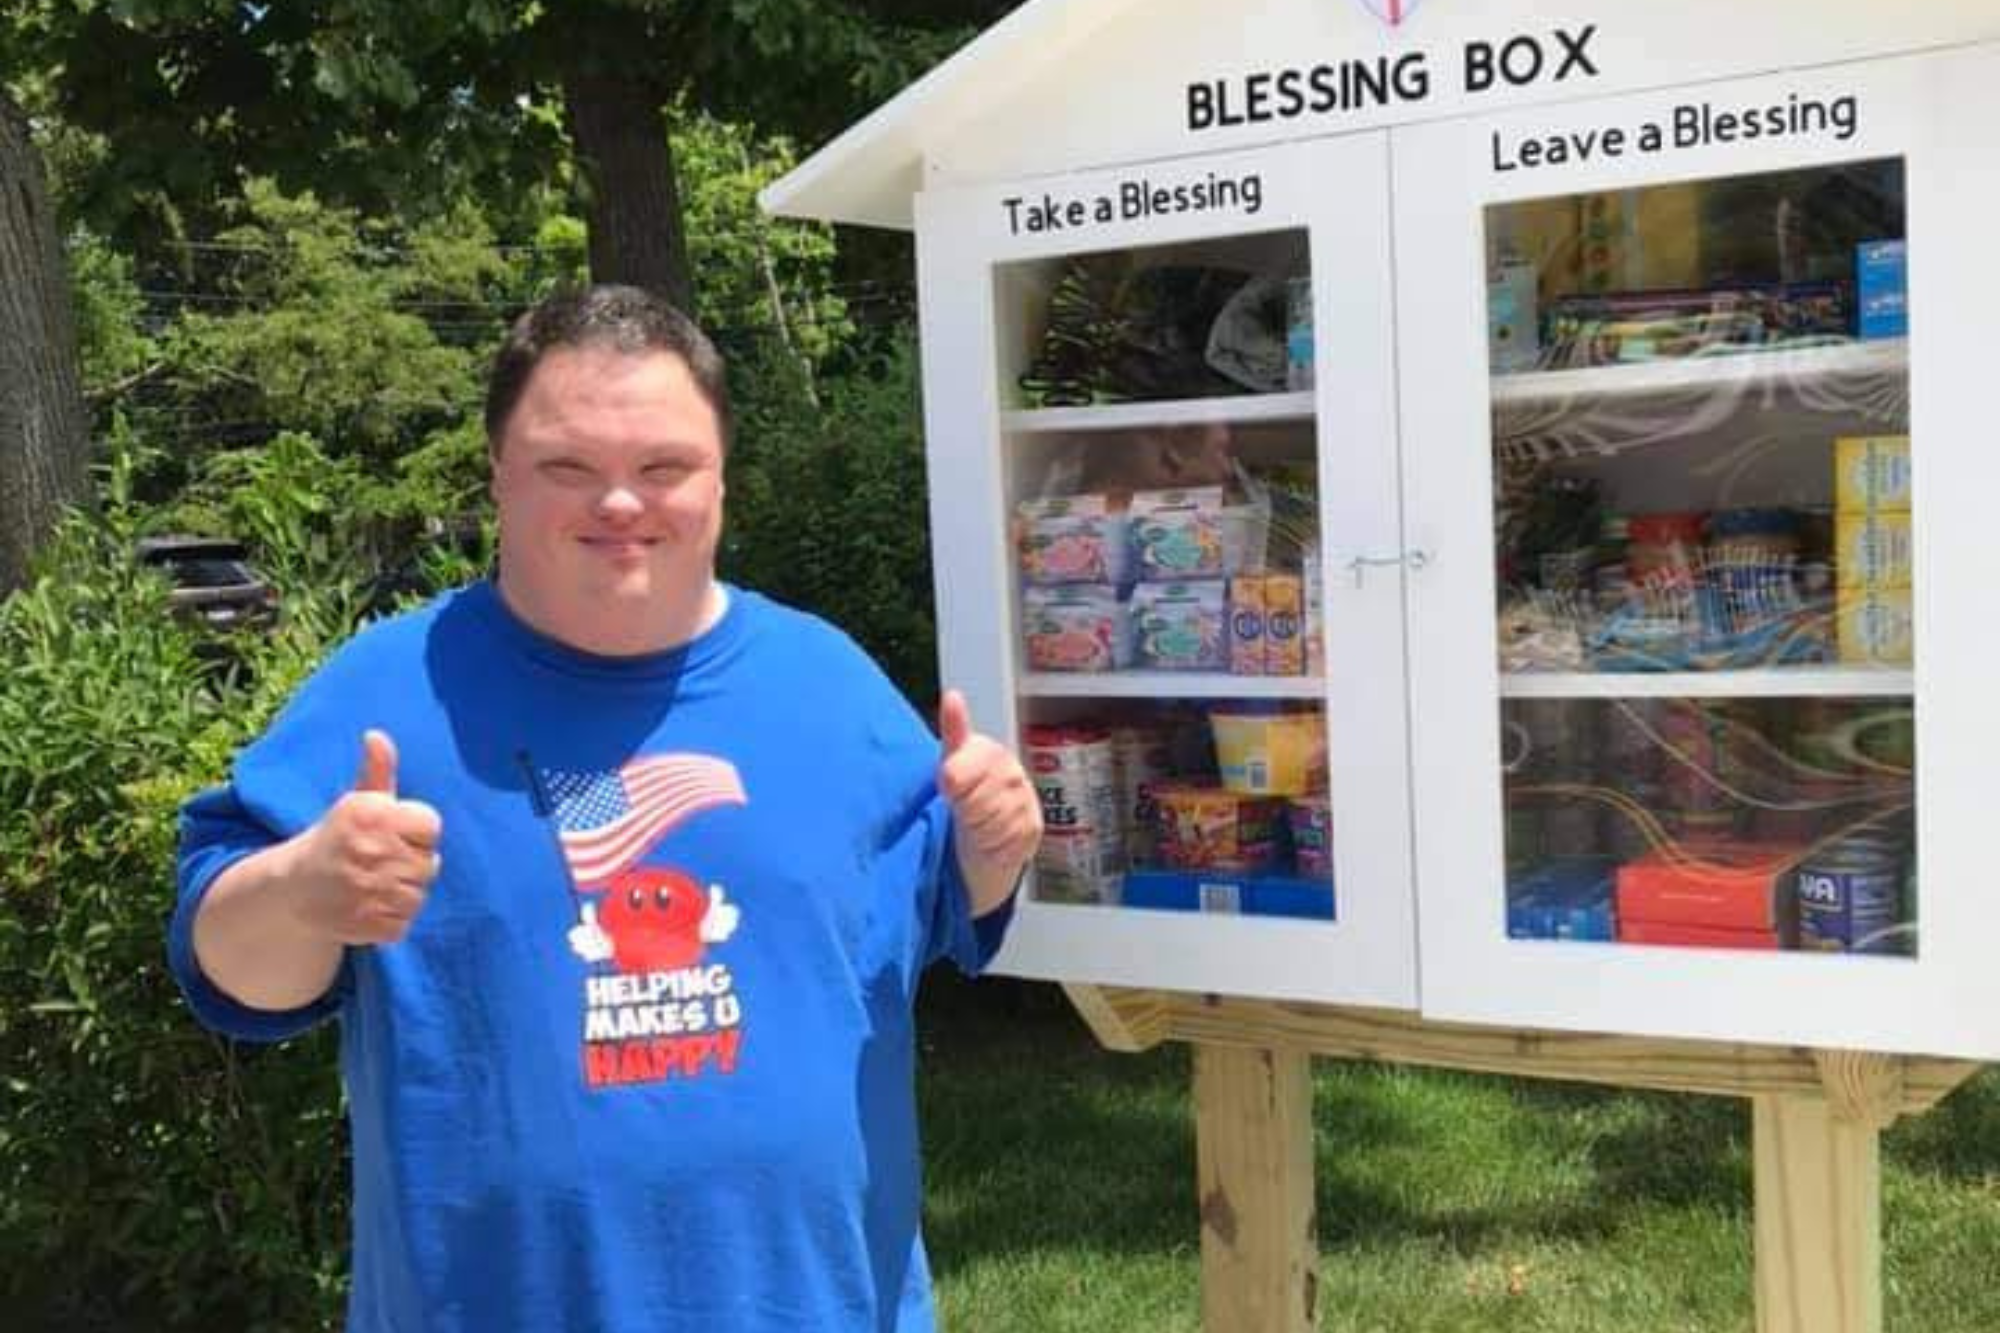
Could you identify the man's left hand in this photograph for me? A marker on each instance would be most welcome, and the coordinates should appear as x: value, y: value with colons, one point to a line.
x: 998, y: 814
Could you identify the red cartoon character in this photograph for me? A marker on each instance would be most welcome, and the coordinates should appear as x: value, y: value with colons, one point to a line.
x: 652, y: 919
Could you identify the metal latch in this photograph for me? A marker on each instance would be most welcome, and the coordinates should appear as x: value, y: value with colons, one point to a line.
x: 1412, y: 560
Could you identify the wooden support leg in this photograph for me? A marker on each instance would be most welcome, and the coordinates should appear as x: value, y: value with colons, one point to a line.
x: 1819, y: 1217
x: 1253, y: 1142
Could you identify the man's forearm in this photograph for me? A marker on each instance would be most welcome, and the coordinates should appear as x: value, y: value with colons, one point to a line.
x: 251, y: 943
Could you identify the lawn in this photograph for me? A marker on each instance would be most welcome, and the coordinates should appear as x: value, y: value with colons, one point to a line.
x: 1060, y: 1185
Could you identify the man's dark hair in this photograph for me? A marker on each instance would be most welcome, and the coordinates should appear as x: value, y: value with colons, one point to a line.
x: 625, y: 319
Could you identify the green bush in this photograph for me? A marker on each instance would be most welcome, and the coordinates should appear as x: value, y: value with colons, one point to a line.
x: 144, y: 1165
x: 827, y: 505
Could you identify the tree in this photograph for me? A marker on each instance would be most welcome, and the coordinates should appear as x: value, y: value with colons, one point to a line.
x: 43, y: 436
x: 365, y: 101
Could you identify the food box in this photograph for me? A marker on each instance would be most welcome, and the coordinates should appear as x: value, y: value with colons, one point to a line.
x: 1071, y: 539
x: 1871, y: 473
x: 1077, y: 628
x: 1180, y: 626
x: 1230, y: 895
x: 1720, y: 885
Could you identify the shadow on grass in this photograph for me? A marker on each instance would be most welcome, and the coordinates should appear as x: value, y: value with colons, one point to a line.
x: 1549, y: 1162
x: 1036, y: 1139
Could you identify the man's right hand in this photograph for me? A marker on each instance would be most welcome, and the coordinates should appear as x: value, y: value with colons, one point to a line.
x: 362, y: 873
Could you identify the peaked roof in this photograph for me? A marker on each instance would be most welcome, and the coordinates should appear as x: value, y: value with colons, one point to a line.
x: 870, y: 174
x: 998, y: 88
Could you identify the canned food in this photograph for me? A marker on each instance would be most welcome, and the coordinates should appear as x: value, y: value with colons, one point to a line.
x: 1850, y: 895
x: 1144, y: 760
x: 1075, y: 774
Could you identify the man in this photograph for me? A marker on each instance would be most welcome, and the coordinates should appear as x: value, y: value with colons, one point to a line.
x: 620, y: 881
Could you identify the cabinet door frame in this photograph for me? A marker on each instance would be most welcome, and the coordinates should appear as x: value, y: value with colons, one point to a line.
x: 1928, y: 110
x: 1336, y: 192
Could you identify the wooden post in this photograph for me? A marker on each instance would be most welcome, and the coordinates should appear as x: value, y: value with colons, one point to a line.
x: 1817, y: 1119
x: 1819, y: 1198
x: 1254, y: 1154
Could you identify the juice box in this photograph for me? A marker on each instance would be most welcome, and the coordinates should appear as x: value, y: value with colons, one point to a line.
x: 1311, y: 626
x: 1247, y: 624
x: 1871, y: 473
x: 1284, y: 625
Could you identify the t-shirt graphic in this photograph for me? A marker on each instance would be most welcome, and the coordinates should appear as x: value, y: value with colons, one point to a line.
x: 654, y: 1006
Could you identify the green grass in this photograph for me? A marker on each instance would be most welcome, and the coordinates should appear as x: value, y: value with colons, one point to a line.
x: 1060, y: 1187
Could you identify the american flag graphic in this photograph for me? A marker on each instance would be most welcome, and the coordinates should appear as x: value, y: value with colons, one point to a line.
x: 608, y: 821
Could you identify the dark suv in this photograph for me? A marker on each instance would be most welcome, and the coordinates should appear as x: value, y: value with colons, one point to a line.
x: 210, y: 580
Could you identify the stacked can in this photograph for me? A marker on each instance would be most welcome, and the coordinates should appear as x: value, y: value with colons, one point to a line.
x: 1144, y: 759
x: 1082, y: 854
x: 1850, y: 893
x: 1872, y: 548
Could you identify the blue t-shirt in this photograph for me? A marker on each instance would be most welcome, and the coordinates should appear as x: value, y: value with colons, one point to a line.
x: 644, y: 1060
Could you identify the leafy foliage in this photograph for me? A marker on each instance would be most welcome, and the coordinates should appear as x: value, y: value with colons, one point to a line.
x: 193, y: 1156
x: 319, y: 343
x: 827, y: 508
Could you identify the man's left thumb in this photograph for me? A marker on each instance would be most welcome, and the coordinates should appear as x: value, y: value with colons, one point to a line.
x: 954, y: 721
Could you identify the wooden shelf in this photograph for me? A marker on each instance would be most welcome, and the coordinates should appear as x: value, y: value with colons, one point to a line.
x: 1235, y: 411
x: 1801, y: 370
x: 1768, y: 683
x: 1168, y: 685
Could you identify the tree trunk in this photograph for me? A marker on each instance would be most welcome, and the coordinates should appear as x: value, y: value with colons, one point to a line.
x: 634, y: 201
x: 44, y: 434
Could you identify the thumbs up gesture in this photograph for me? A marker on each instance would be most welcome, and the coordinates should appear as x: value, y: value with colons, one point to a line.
x: 995, y: 808
x: 364, y: 870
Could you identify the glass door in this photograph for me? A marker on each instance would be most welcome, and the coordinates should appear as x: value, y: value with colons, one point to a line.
x: 1187, y: 362
x: 1694, y: 491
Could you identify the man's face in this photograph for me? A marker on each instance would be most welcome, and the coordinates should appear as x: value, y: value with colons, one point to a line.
x: 608, y: 479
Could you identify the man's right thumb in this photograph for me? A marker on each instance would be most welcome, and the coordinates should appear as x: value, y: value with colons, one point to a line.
x: 378, y: 763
